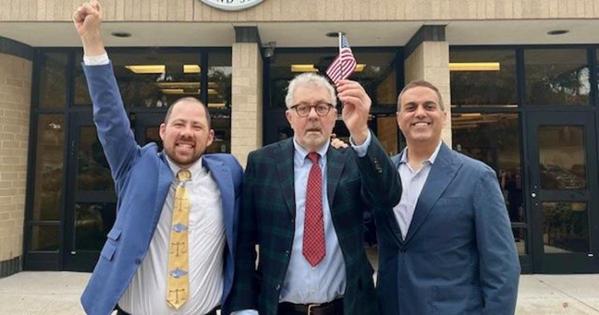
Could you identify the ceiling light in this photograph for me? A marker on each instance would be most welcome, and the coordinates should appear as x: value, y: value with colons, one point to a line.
x: 146, y: 69
x: 180, y: 91
x: 310, y: 68
x: 474, y: 66
x: 157, y: 69
x: 177, y: 84
x: 171, y: 91
x: 303, y: 68
x: 191, y: 69
x: 558, y: 32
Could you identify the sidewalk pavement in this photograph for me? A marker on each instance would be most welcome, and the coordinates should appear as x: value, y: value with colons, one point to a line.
x: 57, y: 293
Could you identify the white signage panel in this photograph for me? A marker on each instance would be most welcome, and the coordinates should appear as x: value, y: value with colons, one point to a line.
x: 232, y: 5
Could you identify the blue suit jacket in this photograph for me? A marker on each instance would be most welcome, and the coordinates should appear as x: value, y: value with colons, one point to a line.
x: 459, y: 255
x: 142, y: 179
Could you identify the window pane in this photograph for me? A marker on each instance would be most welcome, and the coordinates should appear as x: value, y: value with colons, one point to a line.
x: 521, y: 240
x: 152, y: 134
x: 45, y: 238
x: 49, y: 167
x: 565, y: 227
x: 494, y: 139
x: 387, y: 133
x: 93, y: 221
x: 53, y: 80
x: 155, y: 78
x: 219, y: 99
x: 557, y: 77
x: 93, y: 172
x: 81, y: 91
x: 375, y: 71
x: 562, y: 157
x: 483, y: 77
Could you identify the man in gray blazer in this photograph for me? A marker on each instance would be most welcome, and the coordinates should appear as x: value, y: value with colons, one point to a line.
x: 447, y: 247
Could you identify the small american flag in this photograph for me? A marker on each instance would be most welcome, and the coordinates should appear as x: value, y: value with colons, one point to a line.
x: 345, y: 63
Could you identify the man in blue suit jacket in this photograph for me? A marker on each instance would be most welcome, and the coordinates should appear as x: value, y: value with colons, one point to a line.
x: 447, y: 247
x: 132, y: 269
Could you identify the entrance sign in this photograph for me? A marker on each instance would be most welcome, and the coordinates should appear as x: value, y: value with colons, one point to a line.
x: 232, y: 5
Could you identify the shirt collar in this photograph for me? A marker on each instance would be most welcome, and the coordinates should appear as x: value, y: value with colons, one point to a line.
x: 301, y: 153
x: 430, y: 160
x: 196, y: 168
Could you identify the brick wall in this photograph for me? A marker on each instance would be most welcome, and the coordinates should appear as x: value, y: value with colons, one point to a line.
x: 246, y: 112
x: 15, y: 93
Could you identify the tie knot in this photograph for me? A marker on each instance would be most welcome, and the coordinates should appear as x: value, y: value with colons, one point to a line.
x: 183, y: 175
x: 313, y: 156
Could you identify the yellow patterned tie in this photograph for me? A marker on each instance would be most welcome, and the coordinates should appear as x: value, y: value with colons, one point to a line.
x: 178, y: 258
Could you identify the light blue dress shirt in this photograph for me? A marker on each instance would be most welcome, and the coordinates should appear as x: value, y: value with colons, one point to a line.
x: 326, y: 281
x: 412, y: 182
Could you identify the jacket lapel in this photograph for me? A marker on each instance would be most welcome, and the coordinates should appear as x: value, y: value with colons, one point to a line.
x: 165, y: 178
x: 390, y: 214
x: 224, y: 181
x: 441, y: 174
x: 335, y: 164
x: 283, y: 155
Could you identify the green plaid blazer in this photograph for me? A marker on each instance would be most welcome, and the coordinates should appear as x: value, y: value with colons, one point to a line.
x: 267, y: 219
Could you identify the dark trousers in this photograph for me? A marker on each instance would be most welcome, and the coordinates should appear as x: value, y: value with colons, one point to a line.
x: 334, y: 307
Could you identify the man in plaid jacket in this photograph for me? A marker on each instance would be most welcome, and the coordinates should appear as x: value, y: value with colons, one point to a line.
x: 292, y: 277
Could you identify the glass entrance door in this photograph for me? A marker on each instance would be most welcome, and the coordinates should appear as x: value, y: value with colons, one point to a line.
x: 91, y: 203
x: 563, y: 191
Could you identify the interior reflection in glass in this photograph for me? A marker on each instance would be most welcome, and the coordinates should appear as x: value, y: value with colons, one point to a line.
x: 561, y: 157
x: 565, y: 227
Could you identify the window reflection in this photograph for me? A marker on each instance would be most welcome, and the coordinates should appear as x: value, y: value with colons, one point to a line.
x: 472, y: 84
x: 521, y: 240
x: 557, y: 77
x: 219, y: 99
x: 45, y: 238
x: 53, y: 80
x: 156, y: 79
x: 49, y: 167
x: 93, y: 221
x: 377, y: 74
x: 494, y: 139
x: 81, y: 91
x: 386, y: 129
x: 561, y: 157
x: 375, y: 71
x: 565, y: 227
x: 152, y: 134
x: 93, y: 171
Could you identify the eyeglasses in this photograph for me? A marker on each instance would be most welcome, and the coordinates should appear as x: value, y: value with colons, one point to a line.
x: 321, y: 108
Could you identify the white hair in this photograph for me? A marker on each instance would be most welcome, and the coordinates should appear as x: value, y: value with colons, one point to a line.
x: 309, y: 78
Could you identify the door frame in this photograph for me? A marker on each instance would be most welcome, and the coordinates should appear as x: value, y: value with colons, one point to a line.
x: 73, y: 259
x: 561, y: 263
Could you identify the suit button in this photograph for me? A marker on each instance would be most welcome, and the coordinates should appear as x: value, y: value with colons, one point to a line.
x: 278, y: 287
x: 286, y: 253
x: 137, y: 261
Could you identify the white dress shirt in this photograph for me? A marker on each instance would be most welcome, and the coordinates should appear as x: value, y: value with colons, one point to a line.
x: 146, y: 293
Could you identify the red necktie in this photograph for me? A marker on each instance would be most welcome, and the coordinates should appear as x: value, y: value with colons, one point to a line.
x: 314, y: 244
